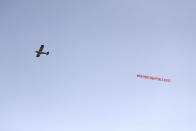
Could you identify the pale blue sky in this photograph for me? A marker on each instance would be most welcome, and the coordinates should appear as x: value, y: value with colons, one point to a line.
x: 97, y: 47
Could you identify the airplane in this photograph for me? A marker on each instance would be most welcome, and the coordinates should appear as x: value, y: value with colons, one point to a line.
x: 41, y: 52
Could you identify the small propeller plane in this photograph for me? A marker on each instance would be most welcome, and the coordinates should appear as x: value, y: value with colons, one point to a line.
x: 41, y: 52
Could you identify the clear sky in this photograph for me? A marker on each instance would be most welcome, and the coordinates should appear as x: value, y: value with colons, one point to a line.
x: 97, y: 47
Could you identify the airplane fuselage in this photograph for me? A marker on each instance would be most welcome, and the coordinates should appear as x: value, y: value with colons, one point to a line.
x: 41, y: 52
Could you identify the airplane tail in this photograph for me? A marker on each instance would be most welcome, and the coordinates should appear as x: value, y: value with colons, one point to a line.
x: 47, y: 53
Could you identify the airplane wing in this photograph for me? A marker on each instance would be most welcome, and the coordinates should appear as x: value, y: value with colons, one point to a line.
x: 38, y: 55
x: 41, y: 48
